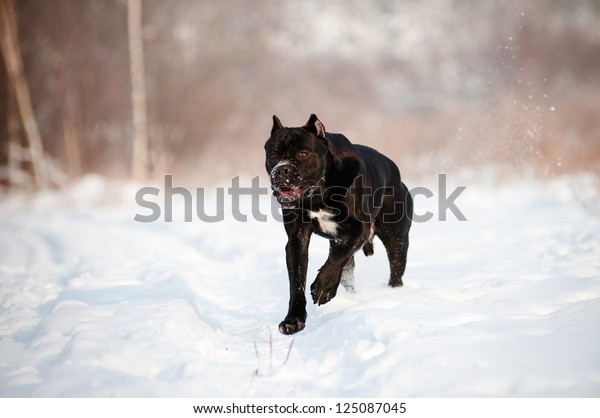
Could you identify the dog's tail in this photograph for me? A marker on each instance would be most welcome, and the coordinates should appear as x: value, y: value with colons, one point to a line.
x: 368, y: 247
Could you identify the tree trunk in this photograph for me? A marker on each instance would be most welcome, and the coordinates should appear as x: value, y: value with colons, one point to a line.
x: 14, y: 68
x: 14, y: 151
x: 138, y: 91
x: 71, y: 133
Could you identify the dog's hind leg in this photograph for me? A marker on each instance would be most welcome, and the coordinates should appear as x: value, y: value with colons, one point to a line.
x: 347, y: 279
x: 392, y: 228
x: 348, y: 276
x: 396, y: 245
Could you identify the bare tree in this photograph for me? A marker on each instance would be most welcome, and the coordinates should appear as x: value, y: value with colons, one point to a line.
x: 138, y: 91
x: 11, y: 52
x: 14, y: 149
x: 71, y: 135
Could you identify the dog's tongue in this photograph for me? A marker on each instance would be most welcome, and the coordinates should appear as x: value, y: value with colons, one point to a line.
x: 288, y: 196
x: 290, y: 191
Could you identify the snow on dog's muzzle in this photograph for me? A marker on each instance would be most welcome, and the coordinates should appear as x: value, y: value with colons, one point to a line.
x: 284, y: 177
x: 283, y: 173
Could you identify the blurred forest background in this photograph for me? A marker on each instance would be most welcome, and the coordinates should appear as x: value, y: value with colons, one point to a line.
x: 436, y: 84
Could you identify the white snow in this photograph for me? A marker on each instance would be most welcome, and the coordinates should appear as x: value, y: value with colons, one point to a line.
x: 95, y: 304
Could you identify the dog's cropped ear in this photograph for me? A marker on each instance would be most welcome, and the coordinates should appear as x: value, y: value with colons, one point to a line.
x: 315, y: 126
x: 276, y: 125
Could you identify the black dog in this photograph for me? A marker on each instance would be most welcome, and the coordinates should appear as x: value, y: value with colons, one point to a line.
x: 344, y: 192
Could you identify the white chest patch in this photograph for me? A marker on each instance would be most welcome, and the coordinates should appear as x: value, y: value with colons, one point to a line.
x: 326, y: 225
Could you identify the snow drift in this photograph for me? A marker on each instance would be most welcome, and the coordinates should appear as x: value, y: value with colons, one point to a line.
x: 95, y: 304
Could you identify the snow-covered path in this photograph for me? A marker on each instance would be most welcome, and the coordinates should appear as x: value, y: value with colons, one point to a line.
x: 505, y: 304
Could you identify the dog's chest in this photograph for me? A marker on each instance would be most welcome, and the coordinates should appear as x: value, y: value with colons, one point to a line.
x: 324, y: 221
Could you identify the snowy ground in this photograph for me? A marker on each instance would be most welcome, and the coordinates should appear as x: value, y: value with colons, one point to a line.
x: 95, y: 304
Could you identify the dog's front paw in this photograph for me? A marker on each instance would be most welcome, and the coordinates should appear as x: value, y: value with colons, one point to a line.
x: 291, y: 325
x: 322, y: 292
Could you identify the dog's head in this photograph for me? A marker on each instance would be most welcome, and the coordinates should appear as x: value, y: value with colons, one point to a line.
x: 296, y: 160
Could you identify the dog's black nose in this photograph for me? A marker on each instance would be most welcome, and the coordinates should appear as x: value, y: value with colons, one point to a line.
x: 282, y: 172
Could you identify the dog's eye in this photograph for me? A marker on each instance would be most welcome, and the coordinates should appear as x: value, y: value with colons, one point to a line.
x: 302, y: 155
x: 272, y: 157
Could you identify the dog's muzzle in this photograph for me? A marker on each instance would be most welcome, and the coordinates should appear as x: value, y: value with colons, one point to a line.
x: 284, y: 182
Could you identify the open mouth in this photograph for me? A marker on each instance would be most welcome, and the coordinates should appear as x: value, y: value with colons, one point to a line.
x: 290, y: 191
x: 288, y: 194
